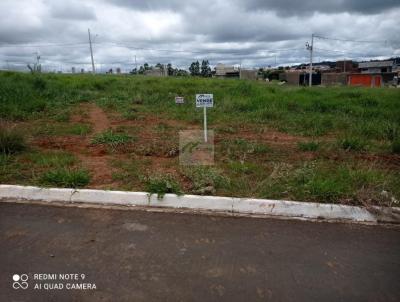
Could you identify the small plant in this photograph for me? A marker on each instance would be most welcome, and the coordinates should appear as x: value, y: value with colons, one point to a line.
x: 353, y: 144
x: 308, y: 146
x: 11, y: 142
x: 162, y: 184
x: 111, y: 138
x: 65, y: 178
x: 80, y: 129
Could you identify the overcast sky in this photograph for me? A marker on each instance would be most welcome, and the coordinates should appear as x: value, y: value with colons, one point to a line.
x: 253, y: 33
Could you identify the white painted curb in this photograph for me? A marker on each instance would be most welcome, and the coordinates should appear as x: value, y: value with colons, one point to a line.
x: 263, y: 207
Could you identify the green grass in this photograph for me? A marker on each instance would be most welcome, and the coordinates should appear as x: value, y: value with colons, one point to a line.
x: 308, y: 146
x: 339, y: 125
x: 396, y: 146
x: 53, y: 159
x: 326, y: 181
x: 11, y: 141
x: 112, y: 139
x: 372, y: 114
x: 62, y: 129
x: 66, y: 178
x: 353, y: 144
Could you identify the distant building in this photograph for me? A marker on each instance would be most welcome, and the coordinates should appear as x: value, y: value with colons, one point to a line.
x: 73, y: 70
x: 156, y: 72
x: 346, y: 66
x: 366, y: 80
x: 334, y: 79
x: 225, y: 71
x: 376, y: 67
x: 248, y: 74
x: 302, y: 78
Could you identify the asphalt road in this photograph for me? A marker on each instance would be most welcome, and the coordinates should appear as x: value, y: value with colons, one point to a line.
x: 132, y: 255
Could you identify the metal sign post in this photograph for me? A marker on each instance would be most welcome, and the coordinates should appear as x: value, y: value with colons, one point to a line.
x: 205, y: 100
x: 205, y: 124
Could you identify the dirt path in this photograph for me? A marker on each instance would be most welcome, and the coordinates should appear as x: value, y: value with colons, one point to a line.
x: 98, y: 119
x: 96, y: 159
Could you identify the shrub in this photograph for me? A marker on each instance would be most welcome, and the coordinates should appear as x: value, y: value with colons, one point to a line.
x: 39, y: 83
x: 161, y: 185
x: 65, y: 178
x: 11, y: 142
x: 308, y: 146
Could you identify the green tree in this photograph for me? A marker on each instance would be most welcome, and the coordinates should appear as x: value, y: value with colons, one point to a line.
x: 205, y: 69
x: 194, y: 68
x: 170, y: 70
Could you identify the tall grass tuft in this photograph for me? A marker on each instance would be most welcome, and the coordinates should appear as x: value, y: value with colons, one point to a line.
x: 11, y: 142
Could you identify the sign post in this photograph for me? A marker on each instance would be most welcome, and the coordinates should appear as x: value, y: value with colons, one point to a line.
x: 205, y: 100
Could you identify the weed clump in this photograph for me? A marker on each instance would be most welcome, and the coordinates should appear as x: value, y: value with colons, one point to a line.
x: 205, y: 180
x: 112, y: 139
x: 162, y: 184
x: 65, y: 178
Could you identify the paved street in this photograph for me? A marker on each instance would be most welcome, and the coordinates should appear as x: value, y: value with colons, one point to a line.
x: 132, y: 255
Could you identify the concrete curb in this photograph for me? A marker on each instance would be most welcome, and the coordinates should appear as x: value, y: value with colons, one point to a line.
x: 228, y: 205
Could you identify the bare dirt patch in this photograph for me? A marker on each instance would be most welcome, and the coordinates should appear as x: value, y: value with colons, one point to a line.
x: 94, y: 158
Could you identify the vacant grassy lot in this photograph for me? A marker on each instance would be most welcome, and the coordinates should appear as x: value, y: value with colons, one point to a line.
x: 121, y: 132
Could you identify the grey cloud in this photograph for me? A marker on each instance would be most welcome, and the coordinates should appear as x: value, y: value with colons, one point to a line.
x: 150, y: 5
x: 71, y: 11
x: 290, y: 7
x: 251, y: 32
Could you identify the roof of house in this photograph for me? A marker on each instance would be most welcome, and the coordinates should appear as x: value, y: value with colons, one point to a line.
x: 375, y: 64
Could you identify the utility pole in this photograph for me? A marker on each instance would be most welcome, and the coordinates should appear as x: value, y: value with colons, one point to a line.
x: 91, y: 52
x: 311, y: 49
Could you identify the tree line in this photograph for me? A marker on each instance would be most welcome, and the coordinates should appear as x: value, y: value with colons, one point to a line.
x: 195, y: 69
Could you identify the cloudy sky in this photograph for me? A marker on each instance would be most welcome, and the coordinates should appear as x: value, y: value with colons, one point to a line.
x: 252, y: 33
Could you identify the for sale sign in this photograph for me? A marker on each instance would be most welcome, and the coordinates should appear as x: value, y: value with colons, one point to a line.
x: 179, y: 100
x: 204, y: 100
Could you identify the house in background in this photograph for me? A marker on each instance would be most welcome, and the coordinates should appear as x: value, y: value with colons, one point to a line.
x: 376, y: 67
x: 346, y: 66
x: 226, y: 71
x: 156, y: 72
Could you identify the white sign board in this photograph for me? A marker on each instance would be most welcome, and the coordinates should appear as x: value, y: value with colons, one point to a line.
x: 204, y: 100
x: 179, y: 100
